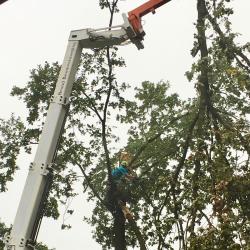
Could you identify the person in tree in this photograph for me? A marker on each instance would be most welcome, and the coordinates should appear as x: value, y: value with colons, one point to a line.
x: 123, y: 171
x: 122, y: 176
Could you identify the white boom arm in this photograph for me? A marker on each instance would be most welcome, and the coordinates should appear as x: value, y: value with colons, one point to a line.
x: 30, y: 211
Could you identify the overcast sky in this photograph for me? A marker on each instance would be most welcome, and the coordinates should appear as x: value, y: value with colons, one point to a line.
x: 35, y: 31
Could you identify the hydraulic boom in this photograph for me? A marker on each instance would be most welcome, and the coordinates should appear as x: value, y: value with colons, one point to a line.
x: 40, y: 176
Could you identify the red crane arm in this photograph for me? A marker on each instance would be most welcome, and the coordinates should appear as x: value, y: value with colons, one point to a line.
x: 134, y: 16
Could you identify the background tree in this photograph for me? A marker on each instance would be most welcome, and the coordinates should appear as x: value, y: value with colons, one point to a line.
x: 194, y: 162
x: 3, y: 231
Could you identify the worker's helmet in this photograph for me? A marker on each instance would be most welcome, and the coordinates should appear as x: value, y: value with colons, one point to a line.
x: 124, y: 164
x: 125, y: 156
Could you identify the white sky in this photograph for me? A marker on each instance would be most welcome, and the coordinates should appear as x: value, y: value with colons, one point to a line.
x: 34, y: 31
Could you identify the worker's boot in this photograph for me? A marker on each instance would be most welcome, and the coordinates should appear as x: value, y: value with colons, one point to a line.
x: 126, y: 212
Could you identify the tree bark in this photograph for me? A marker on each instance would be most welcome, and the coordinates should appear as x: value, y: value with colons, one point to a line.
x: 119, y: 230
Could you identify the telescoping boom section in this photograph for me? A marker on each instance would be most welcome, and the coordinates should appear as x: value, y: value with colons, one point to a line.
x: 40, y: 176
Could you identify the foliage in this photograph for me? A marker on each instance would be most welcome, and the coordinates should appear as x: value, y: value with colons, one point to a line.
x: 191, y: 157
x: 11, y: 134
x: 41, y: 246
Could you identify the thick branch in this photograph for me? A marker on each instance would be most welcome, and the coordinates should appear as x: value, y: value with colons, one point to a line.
x: 90, y: 184
x: 138, y: 234
x: 230, y: 45
x: 74, y: 162
x: 195, y: 195
x: 181, y: 162
x: 203, y: 87
x: 182, y: 244
x: 110, y: 65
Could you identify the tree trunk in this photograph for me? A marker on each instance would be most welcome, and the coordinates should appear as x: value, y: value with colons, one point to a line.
x: 119, y: 230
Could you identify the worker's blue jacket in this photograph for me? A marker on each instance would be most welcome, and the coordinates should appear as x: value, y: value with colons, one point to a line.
x: 118, y: 173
